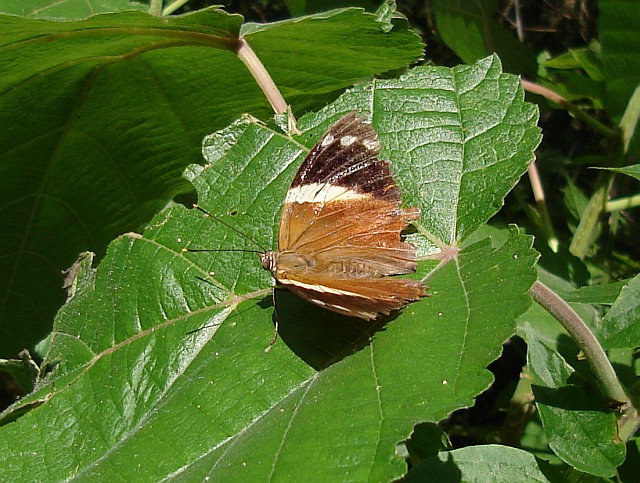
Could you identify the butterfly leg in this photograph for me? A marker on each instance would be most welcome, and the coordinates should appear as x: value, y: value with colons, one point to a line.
x: 275, y: 330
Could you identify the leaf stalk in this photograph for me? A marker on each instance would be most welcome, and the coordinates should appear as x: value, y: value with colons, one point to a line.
x: 553, y: 96
x: 261, y: 75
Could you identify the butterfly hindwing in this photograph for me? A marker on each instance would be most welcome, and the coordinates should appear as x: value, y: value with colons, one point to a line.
x: 363, y: 298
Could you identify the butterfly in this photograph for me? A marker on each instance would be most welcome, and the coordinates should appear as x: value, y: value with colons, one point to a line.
x: 339, y: 236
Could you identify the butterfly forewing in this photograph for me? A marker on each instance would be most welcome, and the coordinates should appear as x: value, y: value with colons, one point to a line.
x: 340, y: 228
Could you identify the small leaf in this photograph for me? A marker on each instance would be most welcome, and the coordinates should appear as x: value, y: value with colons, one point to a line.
x: 587, y: 59
x: 426, y: 441
x: 621, y: 325
x: 19, y: 375
x: 595, y: 294
x: 578, y: 426
x: 633, y: 171
x: 484, y: 463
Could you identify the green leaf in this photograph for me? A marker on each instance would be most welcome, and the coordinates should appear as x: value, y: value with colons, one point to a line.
x: 67, y: 9
x: 619, y: 35
x: 633, y: 171
x: 595, y: 294
x: 579, y: 428
x: 587, y: 59
x: 471, y: 31
x: 426, y: 441
x: 621, y: 325
x: 576, y: 74
x: 136, y: 383
x: 484, y: 463
x: 100, y: 117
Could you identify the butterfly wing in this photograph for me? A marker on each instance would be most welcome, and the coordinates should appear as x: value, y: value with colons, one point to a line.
x: 366, y: 298
x: 341, y: 224
x: 344, y: 203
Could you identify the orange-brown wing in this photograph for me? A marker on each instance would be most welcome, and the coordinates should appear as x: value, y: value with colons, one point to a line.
x: 355, y: 239
x: 343, y: 207
x: 363, y: 298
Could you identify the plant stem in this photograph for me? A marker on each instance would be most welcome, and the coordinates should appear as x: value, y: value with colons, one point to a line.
x: 584, y: 338
x: 595, y: 355
x: 538, y: 194
x: 261, y: 75
x: 585, y: 233
x: 623, y: 203
x: 590, y: 121
x: 630, y: 118
x: 169, y: 9
x: 155, y: 8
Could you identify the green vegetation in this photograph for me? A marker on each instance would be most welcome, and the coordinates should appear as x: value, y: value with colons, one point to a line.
x: 150, y: 364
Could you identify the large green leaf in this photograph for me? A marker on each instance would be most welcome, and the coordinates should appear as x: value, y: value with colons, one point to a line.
x: 135, y: 389
x: 67, y: 9
x: 101, y: 116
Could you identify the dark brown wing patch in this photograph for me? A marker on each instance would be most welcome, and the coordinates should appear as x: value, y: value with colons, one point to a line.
x: 346, y: 156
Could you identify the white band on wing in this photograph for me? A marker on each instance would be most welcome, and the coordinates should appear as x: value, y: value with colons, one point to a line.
x: 322, y: 193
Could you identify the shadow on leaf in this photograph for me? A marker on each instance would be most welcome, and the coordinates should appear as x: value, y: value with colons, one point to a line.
x: 320, y: 337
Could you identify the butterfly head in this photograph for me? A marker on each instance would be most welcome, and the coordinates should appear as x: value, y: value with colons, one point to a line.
x: 269, y: 260
x: 285, y: 261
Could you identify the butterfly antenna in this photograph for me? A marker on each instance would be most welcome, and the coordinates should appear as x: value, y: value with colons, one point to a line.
x: 232, y: 228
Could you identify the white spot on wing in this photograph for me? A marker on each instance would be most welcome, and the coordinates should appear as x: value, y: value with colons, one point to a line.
x: 322, y: 193
x: 371, y: 144
x: 348, y: 140
x: 328, y: 139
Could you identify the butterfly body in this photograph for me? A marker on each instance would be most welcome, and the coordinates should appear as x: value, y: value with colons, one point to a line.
x: 340, y: 229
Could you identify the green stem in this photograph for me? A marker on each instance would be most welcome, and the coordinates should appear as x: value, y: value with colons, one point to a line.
x: 155, y: 7
x: 623, y: 203
x: 172, y: 7
x: 545, y: 219
x: 606, y: 378
x: 595, y: 356
x: 586, y: 231
x: 585, y: 340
